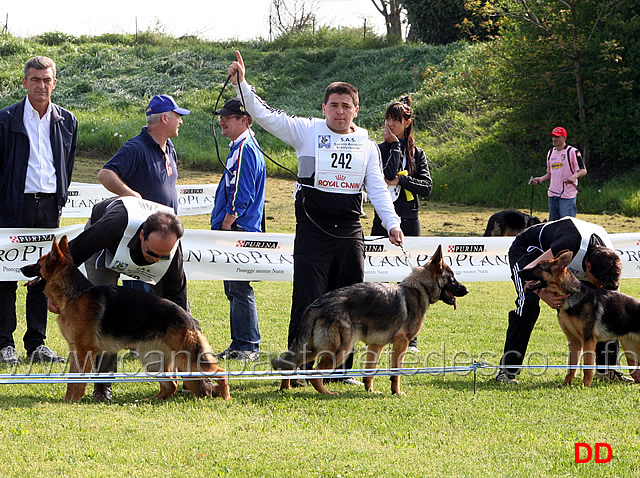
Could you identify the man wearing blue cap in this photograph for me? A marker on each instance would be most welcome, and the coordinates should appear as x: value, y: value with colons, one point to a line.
x: 145, y: 166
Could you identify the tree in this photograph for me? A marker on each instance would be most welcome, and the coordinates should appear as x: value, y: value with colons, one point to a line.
x: 392, y: 12
x: 555, y: 53
x: 437, y: 22
x: 290, y: 16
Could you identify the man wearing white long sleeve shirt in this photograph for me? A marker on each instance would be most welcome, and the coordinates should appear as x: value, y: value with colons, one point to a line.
x: 335, y: 162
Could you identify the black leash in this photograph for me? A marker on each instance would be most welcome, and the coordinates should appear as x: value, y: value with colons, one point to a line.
x: 531, y: 199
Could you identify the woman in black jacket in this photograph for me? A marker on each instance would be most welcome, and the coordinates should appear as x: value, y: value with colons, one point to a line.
x: 405, y: 170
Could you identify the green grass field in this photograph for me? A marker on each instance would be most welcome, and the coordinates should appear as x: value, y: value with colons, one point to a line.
x: 441, y: 427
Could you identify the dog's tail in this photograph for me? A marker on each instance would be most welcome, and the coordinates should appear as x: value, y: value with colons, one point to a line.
x: 299, y: 351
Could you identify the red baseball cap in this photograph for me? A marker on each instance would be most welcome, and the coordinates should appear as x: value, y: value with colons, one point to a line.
x: 559, y: 131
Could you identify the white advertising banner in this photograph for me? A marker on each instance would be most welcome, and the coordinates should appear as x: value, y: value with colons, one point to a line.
x: 192, y: 199
x: 217, y: 255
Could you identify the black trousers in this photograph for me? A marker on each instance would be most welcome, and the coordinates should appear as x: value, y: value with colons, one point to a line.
x: 323, y: 263
x: 41, y: 213
x: 523, y: 318
x: 410, y: 226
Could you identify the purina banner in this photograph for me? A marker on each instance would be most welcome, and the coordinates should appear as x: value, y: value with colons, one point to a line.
x: 216, y: 255
x: 192, y: 199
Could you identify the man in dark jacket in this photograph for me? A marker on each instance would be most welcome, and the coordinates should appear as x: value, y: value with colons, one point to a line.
x: 37, y: 152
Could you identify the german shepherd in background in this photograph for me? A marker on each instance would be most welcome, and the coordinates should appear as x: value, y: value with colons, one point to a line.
x: 374, y: 312
x: 588, y: 315
x: 509, y: 223
x: 94, y: 319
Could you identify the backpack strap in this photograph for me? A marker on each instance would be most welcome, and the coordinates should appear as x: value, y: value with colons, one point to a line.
x: 569, y: 157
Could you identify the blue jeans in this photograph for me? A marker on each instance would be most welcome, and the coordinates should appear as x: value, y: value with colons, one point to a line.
x: 559, y: 207
x: 137, y: 284
x: 243, y: 315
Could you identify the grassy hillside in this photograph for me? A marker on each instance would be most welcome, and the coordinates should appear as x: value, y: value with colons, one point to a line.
x: 475, y: 156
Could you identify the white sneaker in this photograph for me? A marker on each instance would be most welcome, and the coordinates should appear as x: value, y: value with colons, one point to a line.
x: 613, y: 376
x: 8, y: 355
x: 352, y: 381
x: 503, y: 377
x: 42, y: 353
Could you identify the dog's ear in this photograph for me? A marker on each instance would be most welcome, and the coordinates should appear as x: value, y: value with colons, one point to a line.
x: 55, y: 249
x: 64, y: 245
x: 563, y: 258
x: 436, y: 260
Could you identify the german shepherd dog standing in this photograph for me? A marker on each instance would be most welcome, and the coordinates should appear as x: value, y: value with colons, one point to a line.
x: 588, y: 315
x: 110, y: 318
x: 374, y: 312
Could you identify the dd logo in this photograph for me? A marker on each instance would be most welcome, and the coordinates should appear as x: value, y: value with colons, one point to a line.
x: 589, y: 453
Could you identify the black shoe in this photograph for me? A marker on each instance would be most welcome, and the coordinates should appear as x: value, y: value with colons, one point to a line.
x: 102, y: 392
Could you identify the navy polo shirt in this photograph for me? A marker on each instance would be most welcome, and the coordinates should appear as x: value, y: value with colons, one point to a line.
x: 142, y: 165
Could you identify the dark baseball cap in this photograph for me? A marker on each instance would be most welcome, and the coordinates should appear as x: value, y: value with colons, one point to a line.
x: 231, y: 108
x: 164, y: 103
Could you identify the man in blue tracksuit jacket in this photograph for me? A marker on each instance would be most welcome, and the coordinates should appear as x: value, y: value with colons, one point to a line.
x: 239, y: 206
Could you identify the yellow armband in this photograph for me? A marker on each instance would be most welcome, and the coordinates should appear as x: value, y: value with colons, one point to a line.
x: 408, y: 194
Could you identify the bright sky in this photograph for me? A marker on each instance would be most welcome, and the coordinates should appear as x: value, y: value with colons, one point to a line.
x: 209, y: 19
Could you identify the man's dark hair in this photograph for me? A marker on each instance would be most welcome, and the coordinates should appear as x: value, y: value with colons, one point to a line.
x: 163, y: 222
x: 39, y: 63
x: 341, y: 88
x: 606, y: 266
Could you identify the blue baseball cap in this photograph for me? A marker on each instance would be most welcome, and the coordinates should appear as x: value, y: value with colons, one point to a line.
x: 164, y: 103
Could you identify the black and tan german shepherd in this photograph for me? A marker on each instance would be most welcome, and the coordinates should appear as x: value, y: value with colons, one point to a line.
x: 588, y: 315
x: 509, y: 223
x: 95, y: 319
x: 374, y: 312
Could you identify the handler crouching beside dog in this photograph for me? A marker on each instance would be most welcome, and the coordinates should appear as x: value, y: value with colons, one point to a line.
x: 137, y: 238
x: 594, y: 260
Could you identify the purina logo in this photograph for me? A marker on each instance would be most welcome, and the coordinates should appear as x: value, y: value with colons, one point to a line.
x: 465, y: 248
x: 374, y: 248
x: 340, y: 177
x: 73, y: 193
x: 23, y: 239
x: 258, y: 244
x: 191, y: 191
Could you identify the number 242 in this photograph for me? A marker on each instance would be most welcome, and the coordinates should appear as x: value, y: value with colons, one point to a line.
x: 342, y: 160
